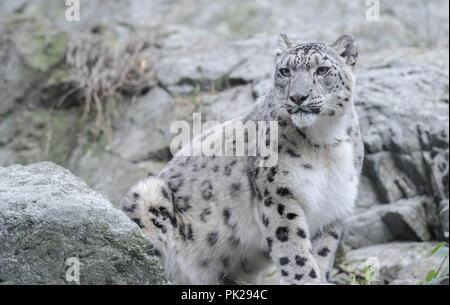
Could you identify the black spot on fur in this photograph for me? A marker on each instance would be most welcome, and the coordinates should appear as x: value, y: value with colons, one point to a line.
x: 215, y: 168
x: 204, y: 263
x: 302, y: 134
x: 284, y: 192
x: 323, y: 252
x: 130, y: 209
x: 271, y: 176
x: 334, y: 235
x: 292, y: 153
x: 182, y: 232
x: 181, y: 203
x: 227, y: 170
x: 235, y: 188
x: 298, y: 276
x: 301, y: 233
x: 280, y: 209
x: 284, y: 261
x: 269, y: 243
x: 234, y: 240
x: 225, y: 261
x: 256, y: 173
x: 282, y: 123
x: 300, y: 260
x: 212, y: 238
x: 205, y: 213
x: 265, y: 220
x: 327, y: 276
x: 282, y: 233
x: 136, y: 196
x: 190, y: 233
x: 291, y: 216
x: 268, y: 201
x: 226, y: 216
x: 164, y: 193
x: 207, y: 188
x: 307, y: 166
x: 138, y: 221
x: 173, y: 186
x: 159, y: 225
x: 284, y: 272
x: 173, y: 221
x: 154, y: 211
x: 312, y: 274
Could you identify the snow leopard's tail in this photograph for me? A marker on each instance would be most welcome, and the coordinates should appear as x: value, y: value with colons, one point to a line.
x: 149, y: 204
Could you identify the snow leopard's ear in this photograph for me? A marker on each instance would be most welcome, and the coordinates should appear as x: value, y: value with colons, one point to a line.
x: 283, y: 44
x: 345, y: 46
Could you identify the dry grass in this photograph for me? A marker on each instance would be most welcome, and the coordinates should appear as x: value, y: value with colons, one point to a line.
x: 101, y: 75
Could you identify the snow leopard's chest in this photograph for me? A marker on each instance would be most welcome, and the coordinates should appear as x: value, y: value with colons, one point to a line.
x: 324, y: 182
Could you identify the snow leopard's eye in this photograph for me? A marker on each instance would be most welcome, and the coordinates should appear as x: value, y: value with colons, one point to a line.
x: 285, y: 72
x: 322, y: 70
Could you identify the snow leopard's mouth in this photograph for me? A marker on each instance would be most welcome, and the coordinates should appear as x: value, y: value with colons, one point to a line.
x: 305, y: 110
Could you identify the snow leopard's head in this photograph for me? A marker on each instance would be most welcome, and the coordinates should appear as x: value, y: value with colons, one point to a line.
x: 315, y: 80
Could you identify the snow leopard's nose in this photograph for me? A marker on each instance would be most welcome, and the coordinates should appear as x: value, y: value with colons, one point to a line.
x: 298, y: 99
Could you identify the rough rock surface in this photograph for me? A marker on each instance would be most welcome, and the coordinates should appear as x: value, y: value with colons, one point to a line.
x: 406, y: 263
x: 403, y: 220
x: 47, y: 216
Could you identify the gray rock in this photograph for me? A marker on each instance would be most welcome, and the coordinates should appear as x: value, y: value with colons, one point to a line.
x: 215, y: 65
x: 47, y: 216
x: 367, y: 195
x: 227, y: 104
x: 404, y: 220
x: 403, y: 109
x: 143, y: 131
x: 106, y: 172
x: 366, y: 228
x: 397, y: 260
x: 415, y: 272
x: 402, y: 23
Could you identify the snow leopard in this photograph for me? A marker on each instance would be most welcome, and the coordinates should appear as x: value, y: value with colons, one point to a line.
x: 226, y: 219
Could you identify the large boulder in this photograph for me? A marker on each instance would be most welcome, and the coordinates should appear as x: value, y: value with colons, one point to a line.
x: 49, y: 217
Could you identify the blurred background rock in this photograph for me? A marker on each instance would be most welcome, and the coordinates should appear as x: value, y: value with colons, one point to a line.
x: 98, y: 97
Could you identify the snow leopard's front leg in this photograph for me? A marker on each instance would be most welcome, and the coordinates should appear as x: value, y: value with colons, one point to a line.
x: 325, y: 244
x: 287, y: 235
